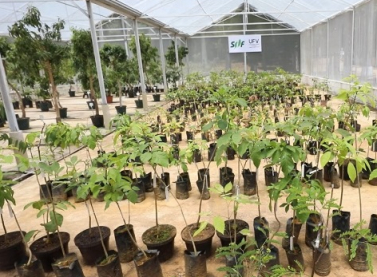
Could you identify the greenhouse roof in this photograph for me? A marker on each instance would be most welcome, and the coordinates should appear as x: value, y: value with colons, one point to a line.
x: 185, y: 17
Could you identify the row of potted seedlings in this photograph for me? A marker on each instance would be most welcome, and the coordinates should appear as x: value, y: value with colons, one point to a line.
x: 141, y: 147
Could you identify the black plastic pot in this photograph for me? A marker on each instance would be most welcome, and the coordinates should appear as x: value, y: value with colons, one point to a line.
x: 35, y: 268
x: 261, y: 231
x: 211, y: 151
x: 141, y: 190
x: 165, y: 247
x: 156, y: 97
x: 340, y: 224
x: 90, y: 244
x: 16, y: 105
x: 12, y: 249
x: 110, y: 268
x: 360, y: 261
x: 45, y: 192
x: 343, y: 173
x: 195, y: 265
x: 63, y: 112
x: 174, y: 139
x: 165, y: 177
x: 127, y: 250
x: 228, y: 235
x: 139, y: 104
x: 147, y: 181
x: 295, y: 258
x: 23, y: 123
x: 327, y: 171
x: 311, y: 232
x: 202, y: 172
x: 218, y: 133
x: 226, y: 176
x: 72, y: 93
x: 163, y: 138
x: 312, y: 147
x: 203, y: 241
x: 204, y: 194
x: 205, y: 136
x: 97, y: 120
x: 273, y: 258
x: 186, y: 176
x: 68, y: 266
x: 121, y: 109
x: 47, y: 255
x: 150, y: 266
x: 358, y: 181
x: 291, y: 225
x: 181, y: 190
x: 190, y: 135
x: 322, y: 261
x: 270, y: 176
x: 230, y: 153
x: 373, y: 224
x: 249, y: 182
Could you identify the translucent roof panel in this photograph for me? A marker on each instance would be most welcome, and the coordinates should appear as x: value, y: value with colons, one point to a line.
x: 191, y: 16
x: 72, y: 12
x: 187, y: 16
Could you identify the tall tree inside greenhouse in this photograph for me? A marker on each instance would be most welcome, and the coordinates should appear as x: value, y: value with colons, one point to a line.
x: 84, y: 62
x: 43, y: 45
x: 115, y: 59
x: 174, y: 72
x: 19, y: 68
x: 149, y: 57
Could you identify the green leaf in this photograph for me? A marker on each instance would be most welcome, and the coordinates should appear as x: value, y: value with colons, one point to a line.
x: 325, y: 158
x: 202, y: 226
x: 228, y: 187
x: 373, y: 174
x: 207, y: 127
x: 145, y: 157
x: 219, y: 224
x: 222, y: 124
x: 30, y: 234
x: 351, y: 171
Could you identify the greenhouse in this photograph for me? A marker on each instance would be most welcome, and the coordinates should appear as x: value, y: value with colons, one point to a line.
x: 188, y: 138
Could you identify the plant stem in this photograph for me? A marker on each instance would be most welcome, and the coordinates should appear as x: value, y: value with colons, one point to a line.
x: 5, y: 229
x: 129, y: 232
x: 99, y: 229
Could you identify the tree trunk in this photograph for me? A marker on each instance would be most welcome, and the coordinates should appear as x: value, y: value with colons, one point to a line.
x: 92, y: 95
x: 22, y: 107
x: 120, y: 93
x: 54, y: 92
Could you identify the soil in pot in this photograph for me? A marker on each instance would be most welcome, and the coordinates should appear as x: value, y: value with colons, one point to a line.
x: 12, y: 249
x: 295, y: 258
x: 202, y: 241
x: 148, y: 266
x: 48, y: 252
x: 161, y: 238
x: 249, y: 182
x: 340, y: 224
x: 110, y: 266
x: 89, y: 243
x: 68, y: 266
x: 127, y: 250
x: 34, y: 269
x: 322, y: 261
x: 228, y: 235
x: 195, y: 265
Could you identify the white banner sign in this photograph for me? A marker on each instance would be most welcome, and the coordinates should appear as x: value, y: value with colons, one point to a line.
x: 245, y: 43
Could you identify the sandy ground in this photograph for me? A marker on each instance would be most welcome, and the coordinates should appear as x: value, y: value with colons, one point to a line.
x: 142, y: 214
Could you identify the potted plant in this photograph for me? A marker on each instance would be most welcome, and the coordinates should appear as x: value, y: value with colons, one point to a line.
x: 44, y: 47
x: 84, y: 64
